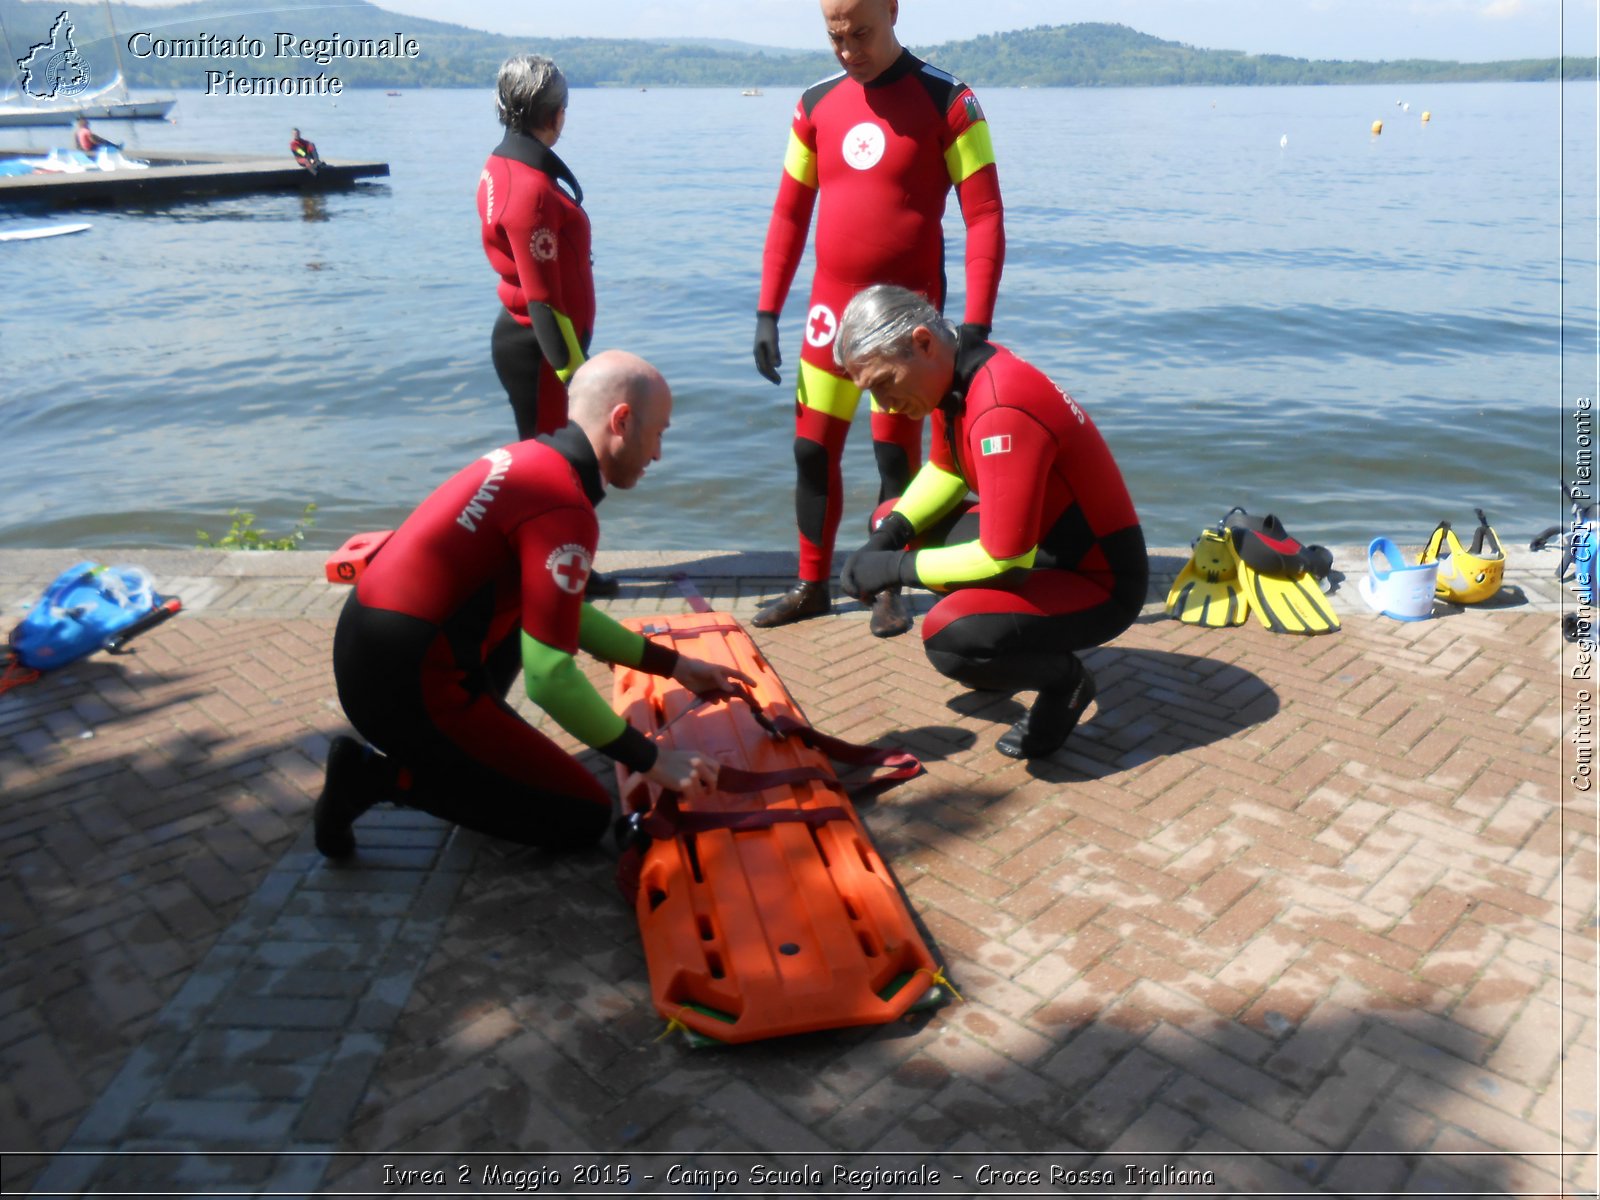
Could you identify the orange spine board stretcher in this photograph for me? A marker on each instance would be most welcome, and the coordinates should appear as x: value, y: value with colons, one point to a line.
x: 758, y: 933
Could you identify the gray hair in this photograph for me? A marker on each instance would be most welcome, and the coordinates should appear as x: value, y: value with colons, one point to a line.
x: 878, y: 324
x: 530, y: 93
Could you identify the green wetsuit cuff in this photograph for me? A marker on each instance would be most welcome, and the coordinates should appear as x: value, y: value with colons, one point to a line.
x: 575, y: 355
x: 613, y: 642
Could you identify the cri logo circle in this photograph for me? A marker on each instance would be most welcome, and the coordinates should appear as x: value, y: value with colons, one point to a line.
x: 863, y: 146
x: 821, y: 325
x: 543, y: 245
x: 569, y: 567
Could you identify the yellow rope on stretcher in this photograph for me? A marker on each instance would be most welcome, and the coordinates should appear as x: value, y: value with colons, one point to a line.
x: 674, y: 1025
x: 937, y: 975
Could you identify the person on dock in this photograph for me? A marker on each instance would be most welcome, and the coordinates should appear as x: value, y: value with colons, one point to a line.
x: 304, y: 151
x: 1051, y: 557
x: 484, y: 579
x: 88, y: 140
x: 881, y: 144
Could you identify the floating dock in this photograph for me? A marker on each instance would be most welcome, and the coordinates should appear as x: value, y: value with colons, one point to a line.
x: 174, y: 175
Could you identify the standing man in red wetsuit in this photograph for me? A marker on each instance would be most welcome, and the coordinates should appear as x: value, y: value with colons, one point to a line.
x: 485, y: 578
x: 881, y: 145
x: 1049, y: 561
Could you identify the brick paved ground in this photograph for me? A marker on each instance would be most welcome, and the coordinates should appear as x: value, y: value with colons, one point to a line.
x: 1329, y: 902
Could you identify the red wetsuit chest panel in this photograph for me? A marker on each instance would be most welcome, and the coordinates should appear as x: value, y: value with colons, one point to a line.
x: 882, y: 178
x: 538, y: 240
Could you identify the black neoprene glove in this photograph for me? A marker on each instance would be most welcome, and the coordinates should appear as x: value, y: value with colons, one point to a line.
x: 868, y: 572
x: 969, y: 337
x: 768, y: 360
x: 894, y: 532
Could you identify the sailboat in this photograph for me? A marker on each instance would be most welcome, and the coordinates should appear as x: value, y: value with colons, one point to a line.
x: 97, y: 107
x: 62, y: 105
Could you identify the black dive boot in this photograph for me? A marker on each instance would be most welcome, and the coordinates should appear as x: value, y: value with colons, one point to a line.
x: 890, y: 614
x: 354, y: 783
x: 804, y: 599
x: 1052, y: 718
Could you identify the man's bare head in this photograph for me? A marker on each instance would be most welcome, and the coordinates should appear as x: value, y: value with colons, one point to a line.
x: 623, y: 405
x: 862, y: 35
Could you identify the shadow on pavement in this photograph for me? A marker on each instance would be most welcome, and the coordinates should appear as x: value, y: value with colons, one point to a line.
x: 1151, y: 704
x: 532, y: 1030
x: 1162, y: 963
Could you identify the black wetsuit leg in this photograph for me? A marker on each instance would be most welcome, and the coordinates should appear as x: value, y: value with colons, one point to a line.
x: 520, y: 364
x: 1026, y: 638
x: 460, y: 751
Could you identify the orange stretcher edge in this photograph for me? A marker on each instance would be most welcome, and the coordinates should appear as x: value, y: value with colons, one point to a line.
x: 757, y: 933
x: 346, y: 564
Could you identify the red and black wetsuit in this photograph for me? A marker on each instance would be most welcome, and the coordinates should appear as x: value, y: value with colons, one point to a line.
x: 305, y: 152
x: 537, y: 239
x: 878, y: 160
x: 1050, y: 559
x: 486, y: 575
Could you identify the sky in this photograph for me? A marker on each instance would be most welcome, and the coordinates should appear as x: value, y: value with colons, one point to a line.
x: 1468, y: 30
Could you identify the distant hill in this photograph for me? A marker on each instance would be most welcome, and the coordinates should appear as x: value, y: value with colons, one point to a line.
x: 1082, y: 55
x: 1096, y: 55
x: 733, y: 47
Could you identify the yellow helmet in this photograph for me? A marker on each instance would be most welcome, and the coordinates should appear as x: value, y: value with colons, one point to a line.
x: 1466, y: 576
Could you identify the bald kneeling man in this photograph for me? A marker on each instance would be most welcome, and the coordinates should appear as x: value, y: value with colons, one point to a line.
x: 486, y: 576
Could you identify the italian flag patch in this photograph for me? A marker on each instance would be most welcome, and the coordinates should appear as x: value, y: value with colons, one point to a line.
x: 995, y: 445
x: 974, y: 113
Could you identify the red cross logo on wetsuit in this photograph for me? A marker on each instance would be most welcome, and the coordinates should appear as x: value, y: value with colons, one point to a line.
x: 863, y: 146
x: 569, y: 567
x: 821, y: 325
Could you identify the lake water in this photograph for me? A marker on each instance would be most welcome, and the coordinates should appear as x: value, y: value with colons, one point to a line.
x: 1363, y: 334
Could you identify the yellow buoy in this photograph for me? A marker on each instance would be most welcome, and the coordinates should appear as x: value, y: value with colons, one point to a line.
x: 1377, y: 127
x: 1426, y: 117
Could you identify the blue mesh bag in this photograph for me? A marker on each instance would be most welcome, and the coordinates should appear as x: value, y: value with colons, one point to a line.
x: 87, y: 608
